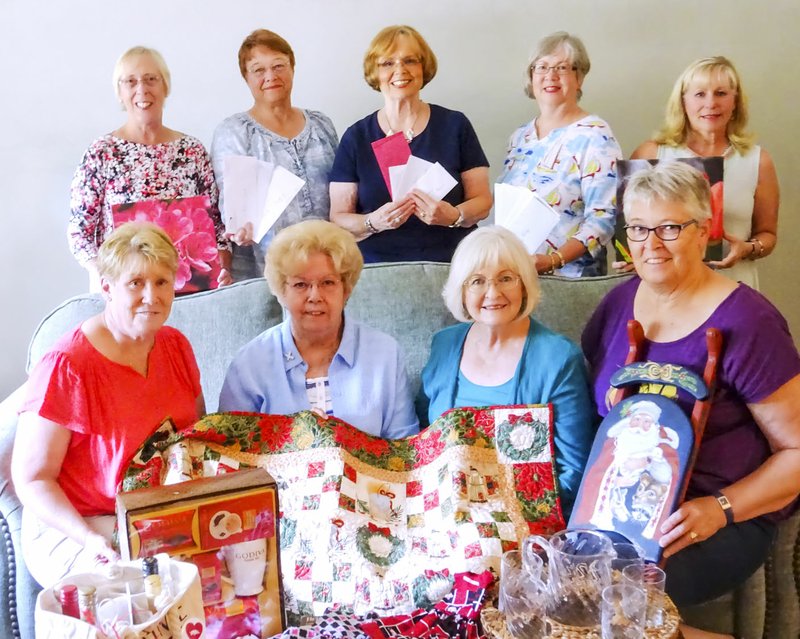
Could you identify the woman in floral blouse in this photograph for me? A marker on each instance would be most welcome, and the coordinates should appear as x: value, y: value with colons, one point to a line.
x: 141, y: 160
x: 568, y: 157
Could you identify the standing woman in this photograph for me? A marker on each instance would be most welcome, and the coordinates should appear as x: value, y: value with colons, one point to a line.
x: 399, y: 63
x: 272, y: 130
x: 568, y: 157
x: 706, y: 117
x: 141, y: 160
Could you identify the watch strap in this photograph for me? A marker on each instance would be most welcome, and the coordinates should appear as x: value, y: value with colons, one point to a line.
x: 726, y: 506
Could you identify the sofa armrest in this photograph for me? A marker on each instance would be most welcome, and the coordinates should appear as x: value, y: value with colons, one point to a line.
x: 17, y: 588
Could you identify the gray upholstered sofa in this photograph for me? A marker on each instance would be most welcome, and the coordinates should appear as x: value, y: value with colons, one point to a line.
x: 403, y: 300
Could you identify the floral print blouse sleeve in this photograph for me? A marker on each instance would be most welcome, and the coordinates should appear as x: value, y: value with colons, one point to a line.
x: 115, y: 171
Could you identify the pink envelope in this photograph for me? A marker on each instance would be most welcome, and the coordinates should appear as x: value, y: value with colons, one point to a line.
x: 392, y: 150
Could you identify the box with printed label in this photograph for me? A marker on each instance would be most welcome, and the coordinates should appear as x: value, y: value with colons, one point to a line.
x: 230, y: 520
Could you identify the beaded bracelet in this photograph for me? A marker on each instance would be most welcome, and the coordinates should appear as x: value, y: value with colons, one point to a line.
x: 368, y: 225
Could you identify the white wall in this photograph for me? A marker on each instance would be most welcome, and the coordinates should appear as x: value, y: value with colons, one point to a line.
x: 56, y: 61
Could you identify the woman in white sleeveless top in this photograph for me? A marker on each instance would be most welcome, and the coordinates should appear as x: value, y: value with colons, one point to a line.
x: 706, y: 116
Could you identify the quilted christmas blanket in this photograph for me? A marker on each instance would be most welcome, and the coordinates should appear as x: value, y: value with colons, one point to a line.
x: 377, y: 525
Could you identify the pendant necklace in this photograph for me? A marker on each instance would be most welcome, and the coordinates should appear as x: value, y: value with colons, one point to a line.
x: 408, y: 133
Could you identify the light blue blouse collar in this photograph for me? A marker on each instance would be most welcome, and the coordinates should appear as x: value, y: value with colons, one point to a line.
x: 346, y: 351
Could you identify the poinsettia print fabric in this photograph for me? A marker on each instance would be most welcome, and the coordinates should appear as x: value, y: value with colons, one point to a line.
x: 116, y: 171
x: 380, y: 525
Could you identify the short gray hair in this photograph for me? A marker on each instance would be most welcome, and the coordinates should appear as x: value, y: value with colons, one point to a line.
x: 671, y: 181
x: 548, y: 45
x: 490, y: 246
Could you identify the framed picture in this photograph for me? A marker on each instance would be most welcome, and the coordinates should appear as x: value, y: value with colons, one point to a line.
x: 188, y: 223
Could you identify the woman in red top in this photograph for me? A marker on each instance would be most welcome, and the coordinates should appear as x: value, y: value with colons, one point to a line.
x: 94, y: 399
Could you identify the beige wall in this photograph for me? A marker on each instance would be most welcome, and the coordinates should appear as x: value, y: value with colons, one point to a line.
x: 56, y: 61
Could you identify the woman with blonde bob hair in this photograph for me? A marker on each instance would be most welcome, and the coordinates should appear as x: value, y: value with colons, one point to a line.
x: 500, y: 355
x: 91, y: 402
x: 411, y: 225
x: 707, y: 116
x: 319, y: 358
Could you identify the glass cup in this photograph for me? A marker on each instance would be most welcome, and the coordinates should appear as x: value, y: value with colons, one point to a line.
x: 522, y: 598
x: 623, y: 612
x: 627, y: 554
x: 651, y: 579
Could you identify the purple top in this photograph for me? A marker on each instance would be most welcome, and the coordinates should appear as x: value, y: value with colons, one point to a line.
x: 758, y: 357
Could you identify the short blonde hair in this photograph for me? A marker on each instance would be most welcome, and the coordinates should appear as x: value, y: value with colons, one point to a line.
x: 263, y: 38
x: 671, y: 181
x: 143, y: 241
x: 163, y: 70
x: 676, y: 126
x: 294, y: 245
x: 548, y: 45
x: 383, y: 43
x: 490, y: 246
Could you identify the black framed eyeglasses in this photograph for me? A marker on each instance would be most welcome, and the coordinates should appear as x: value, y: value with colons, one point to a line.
x: 666, y: 232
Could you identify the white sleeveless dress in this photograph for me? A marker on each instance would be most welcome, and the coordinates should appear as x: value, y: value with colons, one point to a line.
x: 740, y: 180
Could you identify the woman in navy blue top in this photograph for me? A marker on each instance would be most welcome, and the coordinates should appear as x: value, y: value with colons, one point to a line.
x: 399, y: 63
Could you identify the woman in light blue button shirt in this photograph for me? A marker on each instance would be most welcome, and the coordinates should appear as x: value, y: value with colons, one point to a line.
x: 301, y: 141
x: 319, y: 358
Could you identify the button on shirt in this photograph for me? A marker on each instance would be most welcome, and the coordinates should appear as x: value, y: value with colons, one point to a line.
x: 309, y: 156
x: 368, y: 381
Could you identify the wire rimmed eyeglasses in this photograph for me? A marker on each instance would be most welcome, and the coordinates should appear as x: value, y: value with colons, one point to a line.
x: 478, y: 284
x: 666, y: 232
x: 148, y: 80
x: 540, y: 68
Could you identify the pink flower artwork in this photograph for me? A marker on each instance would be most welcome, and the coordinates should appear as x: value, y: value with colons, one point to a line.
x: 188, y: 223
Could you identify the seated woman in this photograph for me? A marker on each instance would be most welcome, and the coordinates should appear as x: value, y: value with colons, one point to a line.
x: 94, y: 399
x: 141, y: 160
x: 747, y: 474
x: 399, y: 63
x: 319, y: 358
x: 499, y: 355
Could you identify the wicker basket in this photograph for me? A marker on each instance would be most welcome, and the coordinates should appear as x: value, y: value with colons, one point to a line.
x: 494, y: 625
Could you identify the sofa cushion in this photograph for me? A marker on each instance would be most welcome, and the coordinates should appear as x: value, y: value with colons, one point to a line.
x: 217, y: 324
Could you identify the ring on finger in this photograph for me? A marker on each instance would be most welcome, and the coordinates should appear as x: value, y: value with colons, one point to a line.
x: 693, y: 536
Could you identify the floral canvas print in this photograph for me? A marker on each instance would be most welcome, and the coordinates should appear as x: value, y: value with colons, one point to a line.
x: 188, y: 223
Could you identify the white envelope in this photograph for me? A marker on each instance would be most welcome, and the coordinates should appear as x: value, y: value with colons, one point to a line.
x: 282, y: 189
x: 256, y: 192
x: 525, y: 213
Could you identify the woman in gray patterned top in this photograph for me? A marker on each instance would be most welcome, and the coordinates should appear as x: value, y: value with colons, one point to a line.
x: 272, y: 130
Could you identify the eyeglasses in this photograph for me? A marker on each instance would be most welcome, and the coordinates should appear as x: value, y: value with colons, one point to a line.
x: 540, y: 68
x: 409, y: 61
x: 149, y: 80
x: 666, y: 232
x: 478, y: 284
x: 325, y: 285
x: 278, y: 68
